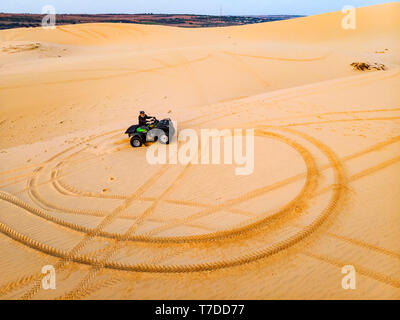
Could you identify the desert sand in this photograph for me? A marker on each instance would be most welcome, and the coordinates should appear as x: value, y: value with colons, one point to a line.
x: 324, y: 193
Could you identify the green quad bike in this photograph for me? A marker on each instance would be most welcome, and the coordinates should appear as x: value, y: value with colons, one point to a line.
x: 162, y: 131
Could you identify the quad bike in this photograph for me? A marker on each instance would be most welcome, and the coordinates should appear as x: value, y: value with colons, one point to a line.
x: 159, y: 130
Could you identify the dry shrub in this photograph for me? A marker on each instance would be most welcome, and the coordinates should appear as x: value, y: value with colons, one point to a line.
x: 363, y: 66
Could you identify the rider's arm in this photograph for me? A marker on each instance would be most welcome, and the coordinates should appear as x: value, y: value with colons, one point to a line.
x: 148, y: 118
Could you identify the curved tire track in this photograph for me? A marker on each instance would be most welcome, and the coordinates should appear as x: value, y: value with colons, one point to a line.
x: 262, y: 253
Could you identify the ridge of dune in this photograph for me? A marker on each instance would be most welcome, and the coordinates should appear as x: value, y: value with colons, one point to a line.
x: 372, y: 21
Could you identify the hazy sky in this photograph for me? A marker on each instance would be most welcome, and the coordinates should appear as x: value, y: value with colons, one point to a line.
x: 229, y: 7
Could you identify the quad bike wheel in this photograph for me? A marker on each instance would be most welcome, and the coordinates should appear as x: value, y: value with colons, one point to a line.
x: 164, y: 139
x: 136, y: 142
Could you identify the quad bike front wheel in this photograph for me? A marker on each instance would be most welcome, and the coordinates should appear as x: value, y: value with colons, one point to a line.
x: 136, y: 142
x: 164, y: 139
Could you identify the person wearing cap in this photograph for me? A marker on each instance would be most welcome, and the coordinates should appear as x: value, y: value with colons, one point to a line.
x: 144, y: 119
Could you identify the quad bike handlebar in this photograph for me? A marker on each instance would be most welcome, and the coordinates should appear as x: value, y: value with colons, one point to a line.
x: 153, y: 122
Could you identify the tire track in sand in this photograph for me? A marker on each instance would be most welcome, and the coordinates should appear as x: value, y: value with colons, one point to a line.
x: 65, y: 259
x: 81, y: 290
x: 295, y: 204
x: 393, y: 282
x: 262, y: 253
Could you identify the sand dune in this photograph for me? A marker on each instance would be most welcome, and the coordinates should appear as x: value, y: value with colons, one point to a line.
x: 324, y: 193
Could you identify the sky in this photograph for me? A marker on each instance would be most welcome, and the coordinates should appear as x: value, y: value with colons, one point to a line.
x: 211, y: 7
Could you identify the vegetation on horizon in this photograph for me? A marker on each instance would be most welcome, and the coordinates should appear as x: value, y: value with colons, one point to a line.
x: 10, y: 20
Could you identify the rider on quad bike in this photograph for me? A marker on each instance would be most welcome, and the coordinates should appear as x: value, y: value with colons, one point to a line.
x: 150, y: 129
x: 145, y: 120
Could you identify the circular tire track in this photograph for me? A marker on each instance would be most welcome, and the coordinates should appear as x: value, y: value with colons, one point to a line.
x: 262, y: 253
x: 299, y: 201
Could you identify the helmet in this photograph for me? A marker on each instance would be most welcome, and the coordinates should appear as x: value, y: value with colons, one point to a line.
x: 142, y: 112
